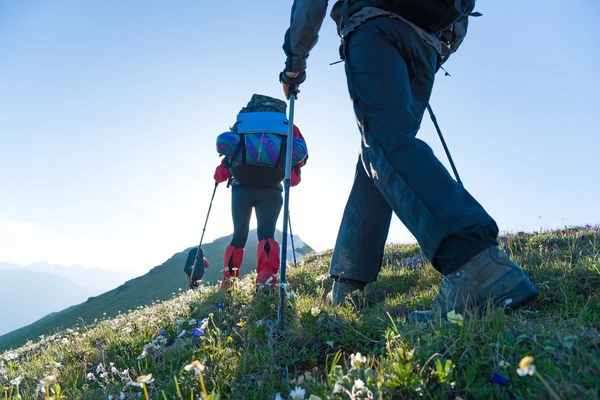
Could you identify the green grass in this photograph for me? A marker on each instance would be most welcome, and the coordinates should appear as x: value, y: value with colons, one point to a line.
x: 158, y: 284
x: 247, y: 358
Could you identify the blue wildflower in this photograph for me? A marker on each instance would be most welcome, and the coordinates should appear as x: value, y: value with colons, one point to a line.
x: 219, y: 306
x: 162, y: 332
x: 499, y: 379
x: 588, y: 227
x: 415, y: 267
x: 582, y: 237
x: 197, y: 332
x: 504, y: 248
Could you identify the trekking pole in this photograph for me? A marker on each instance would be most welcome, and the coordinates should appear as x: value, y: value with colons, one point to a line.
x: 437, y: 128
x: 292, y: 237
x: 198, y: 252
x: 286, y: 204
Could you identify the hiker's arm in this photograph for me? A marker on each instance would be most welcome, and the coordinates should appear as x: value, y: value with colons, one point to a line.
x: 221, y: 173
x: 295, y: 177
x: 296, y: 170
x: 305, y: 23
x: 298, y: 134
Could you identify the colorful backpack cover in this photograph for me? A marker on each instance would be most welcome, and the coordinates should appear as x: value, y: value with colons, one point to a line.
x: 256, y: 148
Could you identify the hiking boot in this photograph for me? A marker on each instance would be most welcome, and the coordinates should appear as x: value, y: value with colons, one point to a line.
x: 489, y: 275
x: 232, y: 263
x: 340, y: 291
x: 267, y: 258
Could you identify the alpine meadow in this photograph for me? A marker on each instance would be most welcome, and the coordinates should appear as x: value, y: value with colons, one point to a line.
x: 214, y: 344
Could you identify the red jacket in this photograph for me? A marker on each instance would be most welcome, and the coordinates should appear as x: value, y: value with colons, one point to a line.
x: 222, y: 173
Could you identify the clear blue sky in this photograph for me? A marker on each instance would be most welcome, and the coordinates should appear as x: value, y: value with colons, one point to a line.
x: 109, y: 111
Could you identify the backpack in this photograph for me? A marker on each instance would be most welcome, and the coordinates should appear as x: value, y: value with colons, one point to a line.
x: 451, y: 31
x: 189, y: 264
x: 255, y: 148
x: 453, y: 36
x: 433, y: 16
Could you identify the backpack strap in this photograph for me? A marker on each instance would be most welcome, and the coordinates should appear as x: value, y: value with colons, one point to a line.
x: 241, y: 146
x: 282, y: 151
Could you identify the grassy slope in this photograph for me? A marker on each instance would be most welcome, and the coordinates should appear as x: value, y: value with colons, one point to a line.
x: 158, y: 284
x: 246, y: 359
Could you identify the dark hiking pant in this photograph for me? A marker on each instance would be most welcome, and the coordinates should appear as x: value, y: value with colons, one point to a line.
x: 267, y: 203
x: 390, y: 72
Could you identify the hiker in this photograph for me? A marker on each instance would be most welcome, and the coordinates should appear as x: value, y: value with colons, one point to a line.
x: 392, y: 50
x: 254, y: 165
x: 189, y: 267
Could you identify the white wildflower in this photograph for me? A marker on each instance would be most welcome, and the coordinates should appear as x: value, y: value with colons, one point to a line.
x: 358, y: 384
x: 284, y: 285
x: 143, y: 380
x: 192, y: 322
x: 337, y: 388
x: 45, y: 382
x: 357, y: 359
x: 204, y: 324
x: 298, y: 393
x: 526, y: 366
x: 455, y: 318
x: 16, y: 381
x: 195, y: 366
x: 314, y: 311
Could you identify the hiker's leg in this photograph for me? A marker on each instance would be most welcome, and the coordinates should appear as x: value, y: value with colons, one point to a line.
x: 267, y: 209
x: 241, y: 212
x: 358, y: 252
x: 390, y: 73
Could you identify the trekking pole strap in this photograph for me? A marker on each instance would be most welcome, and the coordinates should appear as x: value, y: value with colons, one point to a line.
x: 283, y: 78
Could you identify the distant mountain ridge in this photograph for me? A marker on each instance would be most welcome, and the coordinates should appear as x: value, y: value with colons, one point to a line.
x: 97, y: 280
x: 27, y: 296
